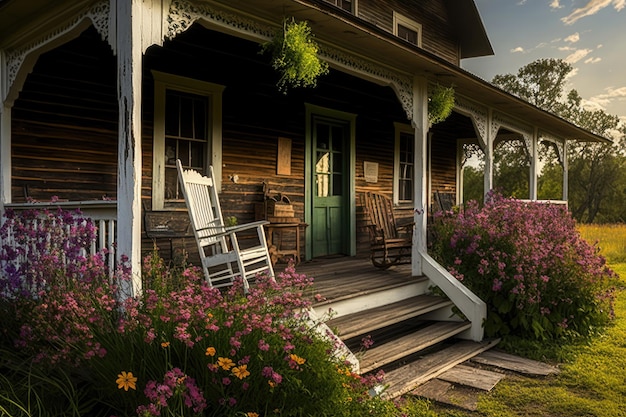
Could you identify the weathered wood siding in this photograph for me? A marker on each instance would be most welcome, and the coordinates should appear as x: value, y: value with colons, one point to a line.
x: 64, y: 125
x: 437, y: 35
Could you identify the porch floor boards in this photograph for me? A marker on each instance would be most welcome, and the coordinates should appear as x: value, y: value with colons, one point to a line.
x: 345, y: 277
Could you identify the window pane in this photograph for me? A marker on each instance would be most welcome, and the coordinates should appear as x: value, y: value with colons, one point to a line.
x: 406, y: 171
x: 337, y: 163
x: 337, y: 184
x: 322, y: 185
x: 171, y: 152
x: 171, y: 114
x: 322, y: 136
x: 197, y: 155
x: 337, y: 132
x: 171, y: 184
x: 407, y: 34
x: 186, y: 117
x: 200, y: 119
x: 323, y: 162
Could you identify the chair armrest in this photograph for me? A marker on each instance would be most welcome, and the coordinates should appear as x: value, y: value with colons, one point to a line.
x: 247, y: 226
x: 225, y: 231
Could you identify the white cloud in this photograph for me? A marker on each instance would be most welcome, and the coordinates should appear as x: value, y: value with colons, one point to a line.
x: 518, y: 49
x: 566, y: 48
x: 554, y: 4
x: 573, y: 38
x: 591, y: 8
x: 600, y: 101
x: 577, y: 55
x: 593, y: 60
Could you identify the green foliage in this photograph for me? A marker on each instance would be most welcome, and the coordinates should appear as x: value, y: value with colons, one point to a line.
x: 294, y: 55
x: 440, y: 103
x: 597, y: 179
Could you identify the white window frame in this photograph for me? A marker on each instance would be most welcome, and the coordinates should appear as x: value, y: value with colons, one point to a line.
x: 354, y: 10
x: 162, y: 83
x: 400, y: 19
x: 399, y: 129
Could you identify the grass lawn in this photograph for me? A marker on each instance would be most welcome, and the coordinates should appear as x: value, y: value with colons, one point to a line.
x: 592, y: 381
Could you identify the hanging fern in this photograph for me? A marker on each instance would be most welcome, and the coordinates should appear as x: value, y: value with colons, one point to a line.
x: 294, y: 55
x: 440, y: 103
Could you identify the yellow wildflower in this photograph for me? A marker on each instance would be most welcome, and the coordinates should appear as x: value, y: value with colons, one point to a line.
x: 210, y: 351
x: 297, y: 359
x: 126, y: 380
x: 225, y: 363
x: 165, y: 344
x: 252, y: 414
x: 241, y: 371
x: 271, y: 383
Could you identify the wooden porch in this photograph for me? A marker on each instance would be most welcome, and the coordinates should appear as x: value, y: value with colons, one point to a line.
x: 417, y: 334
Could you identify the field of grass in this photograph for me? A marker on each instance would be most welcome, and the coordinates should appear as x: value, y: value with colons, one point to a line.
x: 592, y: 382
x: 611, y: 239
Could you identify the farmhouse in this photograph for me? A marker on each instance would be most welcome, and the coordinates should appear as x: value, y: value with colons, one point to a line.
x: 99, y: 98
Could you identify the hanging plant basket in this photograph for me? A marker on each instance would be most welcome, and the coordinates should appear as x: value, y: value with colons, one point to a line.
x: 440, y: 103
x: 294, y: 56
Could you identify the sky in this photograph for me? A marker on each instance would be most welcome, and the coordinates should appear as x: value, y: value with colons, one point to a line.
x: 589, y: 34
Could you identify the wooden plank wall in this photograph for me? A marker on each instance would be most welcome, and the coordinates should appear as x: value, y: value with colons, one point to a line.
x: 437, y: 35
x: 64, y: 125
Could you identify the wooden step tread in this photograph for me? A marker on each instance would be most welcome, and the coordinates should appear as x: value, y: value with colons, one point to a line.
x: 383, y: 354
x: 346, y: 289
x: 411, y: 375
x: 363, y: 322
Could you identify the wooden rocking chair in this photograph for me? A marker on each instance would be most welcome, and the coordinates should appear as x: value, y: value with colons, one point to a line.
x: 389, y: 244
x: 223, y: 259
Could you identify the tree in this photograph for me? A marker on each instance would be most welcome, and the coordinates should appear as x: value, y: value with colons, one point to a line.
x: 540, y: 83
x: 597, y: 186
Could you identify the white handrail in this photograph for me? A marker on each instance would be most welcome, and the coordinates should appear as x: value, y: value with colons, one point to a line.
x: 474, y: 309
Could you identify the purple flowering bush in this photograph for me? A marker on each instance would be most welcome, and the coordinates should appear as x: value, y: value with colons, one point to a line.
x: 72, y: 346
x: 528, y: 262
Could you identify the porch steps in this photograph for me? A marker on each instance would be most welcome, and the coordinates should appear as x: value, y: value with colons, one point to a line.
x: 366, y: 321
x: 381, y: 354
x: 411, y: 344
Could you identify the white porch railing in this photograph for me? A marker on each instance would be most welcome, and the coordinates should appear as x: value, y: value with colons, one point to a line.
x: 474, y: 309
x: 102, y: 213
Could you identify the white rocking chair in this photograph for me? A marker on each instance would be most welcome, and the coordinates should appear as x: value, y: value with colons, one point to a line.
x: 222, y: 257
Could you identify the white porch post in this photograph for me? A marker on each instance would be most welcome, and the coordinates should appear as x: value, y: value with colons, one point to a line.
x: 488, y: 173
x: 420, y: 124
x: 129, y: 65
x: 5, y: 135
x: 534, y: 165
x: 565, y: 173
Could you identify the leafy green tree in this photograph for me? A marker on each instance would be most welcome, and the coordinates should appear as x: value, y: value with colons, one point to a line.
x: 597, y: 183
x: 541, y: 82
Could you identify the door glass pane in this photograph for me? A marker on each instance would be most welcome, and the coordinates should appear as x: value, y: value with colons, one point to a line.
x: 323, y: 162
x: 337, y: 184
x: 337, y: 163
x: 322, y: 136
x: 337, y: 132
x: 322, y: 183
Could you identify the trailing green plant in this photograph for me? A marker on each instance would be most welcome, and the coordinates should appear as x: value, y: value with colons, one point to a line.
x: 294, y: 55
x: 440, y: 103
x: 527, y: 261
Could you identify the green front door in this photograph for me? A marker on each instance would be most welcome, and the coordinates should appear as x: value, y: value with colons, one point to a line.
x: 330, y: 208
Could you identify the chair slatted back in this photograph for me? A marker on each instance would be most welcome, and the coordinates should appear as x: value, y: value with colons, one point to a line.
x: 204, y: 206
x: 380, y: 211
